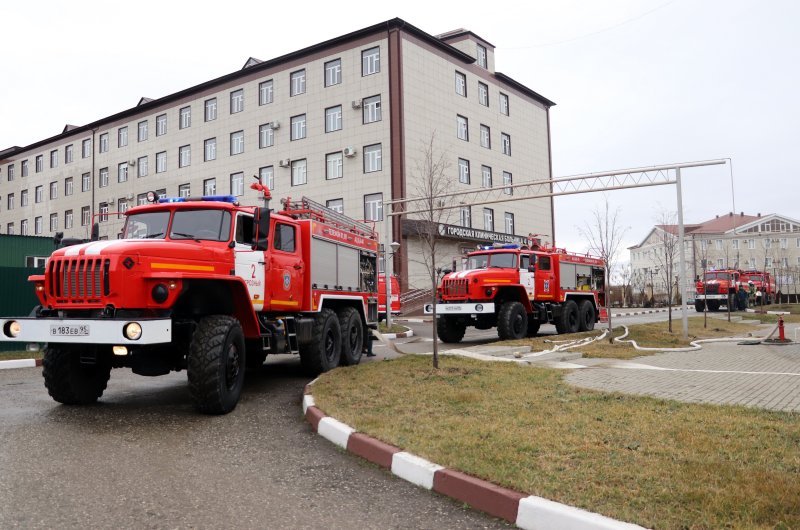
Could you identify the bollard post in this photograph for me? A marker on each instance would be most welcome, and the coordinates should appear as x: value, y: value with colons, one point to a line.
x: 781, y: 335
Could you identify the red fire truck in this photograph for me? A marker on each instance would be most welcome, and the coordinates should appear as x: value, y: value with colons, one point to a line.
x: 764, y: 284
x: 517, y: 289
x: 717, y: 287
x: 206, y: 285
x: 395, y: 306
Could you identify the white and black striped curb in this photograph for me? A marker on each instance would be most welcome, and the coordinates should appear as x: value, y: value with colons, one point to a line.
x: 401, y: 335
x: 645, y: 312
x: 525, y: 511
x: 20, y: 363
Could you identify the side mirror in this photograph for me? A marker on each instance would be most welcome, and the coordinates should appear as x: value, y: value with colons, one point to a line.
x: 261, y: 229
x: 58, y: 238
x: 532, y: 268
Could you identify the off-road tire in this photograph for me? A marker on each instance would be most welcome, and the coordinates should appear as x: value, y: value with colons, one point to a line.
x: 450, y: 329
x: 713, y: 305
x: 325, y: 349
x: 216, y: 364
x: 700, y: 306
x: 352, y: 336
x: 512, y: 321
x: 70, y: 382
x: 586, y: 316
x: 731, y: 303
x: 567, y: 321
x: 533, y: 326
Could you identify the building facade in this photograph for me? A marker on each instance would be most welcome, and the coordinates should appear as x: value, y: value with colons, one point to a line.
x: 747, y: 242
x: 343, y: 122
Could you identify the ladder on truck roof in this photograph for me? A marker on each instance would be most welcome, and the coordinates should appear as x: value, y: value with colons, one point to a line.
x: 306, y: 208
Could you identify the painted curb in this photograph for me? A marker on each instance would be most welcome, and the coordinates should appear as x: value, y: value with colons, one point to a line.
x: 20, y: 363
x: 403, y: 335
x: 528, y: 512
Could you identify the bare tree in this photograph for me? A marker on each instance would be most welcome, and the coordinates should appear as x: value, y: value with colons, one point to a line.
x: 666, y: 254
x: 625, y: 277
x: 431, y: 182
x: 639, y: 284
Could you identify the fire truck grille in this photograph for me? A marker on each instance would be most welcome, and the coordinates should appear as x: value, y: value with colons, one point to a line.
x: 78, y: 280
x: 712, y: 288
x: 455, y: 287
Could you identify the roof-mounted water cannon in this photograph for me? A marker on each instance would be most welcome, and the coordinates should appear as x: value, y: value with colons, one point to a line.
x: 263, y: 188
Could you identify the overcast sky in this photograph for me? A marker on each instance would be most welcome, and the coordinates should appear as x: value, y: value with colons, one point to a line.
x: 636, y: 83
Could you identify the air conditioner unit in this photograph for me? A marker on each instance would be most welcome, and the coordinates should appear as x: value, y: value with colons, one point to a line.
x: 349, y: 152
x: 285, y: 162
x: 274, y: 125
x: 356, y: 103
x: 132, y: 163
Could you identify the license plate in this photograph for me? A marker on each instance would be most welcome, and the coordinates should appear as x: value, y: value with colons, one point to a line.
x: 69, y: 331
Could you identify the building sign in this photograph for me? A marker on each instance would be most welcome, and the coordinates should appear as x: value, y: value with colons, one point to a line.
x: 462, y: 232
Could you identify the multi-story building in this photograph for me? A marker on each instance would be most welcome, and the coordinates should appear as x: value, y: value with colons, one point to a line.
x: 343, y: 122
x: 770, y: 242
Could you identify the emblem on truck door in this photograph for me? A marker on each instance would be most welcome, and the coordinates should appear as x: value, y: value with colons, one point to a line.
x: 287, y: 280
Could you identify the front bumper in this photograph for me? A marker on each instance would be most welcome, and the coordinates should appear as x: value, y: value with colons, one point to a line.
x: 711, y: 297
x: 85, y: 331
x: 461, y: 309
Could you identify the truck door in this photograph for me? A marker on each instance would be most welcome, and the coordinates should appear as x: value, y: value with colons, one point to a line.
x: 545, y: 279
x: 285, y: 269
x: 249, y: 263
x: 526, y: 276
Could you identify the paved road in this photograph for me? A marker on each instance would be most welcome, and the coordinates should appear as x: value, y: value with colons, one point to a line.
x: 143, y: 458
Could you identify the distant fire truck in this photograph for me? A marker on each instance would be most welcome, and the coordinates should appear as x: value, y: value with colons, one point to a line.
x: 206, y: 285
x: 716, y: 288
x: 517, y: 289
x: 763, y: 283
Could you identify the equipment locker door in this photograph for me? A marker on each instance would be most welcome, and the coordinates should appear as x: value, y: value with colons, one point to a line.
x: 286, y: 269
x: 249, y: 263
x: 526, y: 277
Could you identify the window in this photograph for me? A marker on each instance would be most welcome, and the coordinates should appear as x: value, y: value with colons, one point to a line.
x: 185, y: 118
x: 508, y: 181
x: 337, y: 205
x: 481, y: 56
x: 24, y: 167
x: 68, y: 219
x: 509, y: 221
x: 265, y: 92
x: 372, y: 109
x: 284, y: 238
x: 185, y: 156
x: 370, y: 61
x: 735, y: 244
x: 85, y: 216
x: 68, y: 155
x: 104, y: 143
x: 486, y: 137
x: 23, y: 199
x: 122, y: 172
x: 184, y: 190
x: 798, y: 242
x: 463, y: 171
x: 267, y: 177
x: 86, y: 182
x: 298, y: 83
x: 333, y: 72
x: 68, y: 187
x: 488, y: 219
x: 784, y: 242
x: 333, y: 165
x: 86, y: 152
x: 54, y: 190
x: 161, y: 162
x: 266, y: 136
x: 237, y: 184
x: 210, y: 109
x: 23, y: 227
x: 465, y: 217
x: 461, y: 84
x: 39, y: 163
x: 720, y: 263
x: 10, y: 172
x: 122, y: 207
x: 504, y: 104
x: 10, y: 229
x: 10, y: 201
x: 141, y: 131
x: 751, y: 244
x: 483, y: 94
x: 210, y: 149
x: 299, y: 176
x: 142, y: 165
x: 54, y: 158
x: 784, y: 262
x: 237, y: 143
x: 37, y: 225
x: 122, y: 137
x: 141, y: 199
x: 718, y: 244
x: 237, y: 101
x: 39, y: 194
x: 462, y: 129
x: 767, y: 262
x: 505, y: 141
x: 161, y: 125
x: 372, y: 158
x: 373, y: 207
x: 298, y: 129
x: 210, y: 186
x: 333, y: 119
x: 103, y: 212
x: 486, y: 177
x: 767, y: 242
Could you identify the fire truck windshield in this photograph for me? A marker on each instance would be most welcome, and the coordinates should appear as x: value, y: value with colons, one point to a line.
x: 718, y: 276
x: 756, y: 278
x: 149, y: 225
x: 505, y: 260
x: 209, y: 225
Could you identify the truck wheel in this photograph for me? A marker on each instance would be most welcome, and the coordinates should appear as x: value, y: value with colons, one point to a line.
x: 586, y: 317
x: 70, y: 382
x: 352, y: 335
x: 567, y: 322
x: 699, y: 306
x: 512, y: 322
x: 713, y: 305
x: 216, y: 364
x: 325, y: 350
x: 533, y: 327
x: 256, y: 356
x: 450, y: 329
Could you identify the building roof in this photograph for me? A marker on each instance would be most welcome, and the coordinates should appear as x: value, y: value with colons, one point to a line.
x: 724, y: 223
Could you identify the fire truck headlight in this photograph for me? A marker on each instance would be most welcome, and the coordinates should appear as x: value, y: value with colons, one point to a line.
x: 12, y: 329
x: 489, y: 291
x: 39, y: 287
x: 160, y: 293
x: 478, y: 307
x: 132, y: 331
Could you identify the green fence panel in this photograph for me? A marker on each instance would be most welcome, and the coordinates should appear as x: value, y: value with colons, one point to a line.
x: 17, y: 297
